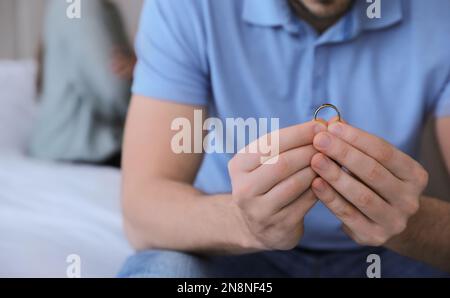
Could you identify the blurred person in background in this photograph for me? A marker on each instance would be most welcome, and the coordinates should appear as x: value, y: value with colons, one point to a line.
x: 87, y: 67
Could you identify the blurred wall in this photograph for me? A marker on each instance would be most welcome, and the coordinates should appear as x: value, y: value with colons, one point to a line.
x: 21, y: 25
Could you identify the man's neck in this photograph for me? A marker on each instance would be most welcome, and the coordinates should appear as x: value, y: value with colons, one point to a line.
x: 319, y: 24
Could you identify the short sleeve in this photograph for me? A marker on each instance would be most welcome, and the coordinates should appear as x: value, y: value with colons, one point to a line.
x: 171, y: 49
x: 442, y: 107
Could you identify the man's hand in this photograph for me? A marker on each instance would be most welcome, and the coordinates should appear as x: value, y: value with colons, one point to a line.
x: 382, y: 192
x: 272, y: 199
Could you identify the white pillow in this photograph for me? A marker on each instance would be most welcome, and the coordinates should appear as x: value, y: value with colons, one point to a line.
x: 17, y: 104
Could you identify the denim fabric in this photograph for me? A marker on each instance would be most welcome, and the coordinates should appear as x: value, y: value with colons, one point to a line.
x: 295, y: 263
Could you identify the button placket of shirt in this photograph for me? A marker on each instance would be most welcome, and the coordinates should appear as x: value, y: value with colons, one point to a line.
x: 319, y: 86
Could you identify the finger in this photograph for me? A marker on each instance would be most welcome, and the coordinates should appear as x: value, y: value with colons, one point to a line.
x: 345, y: 211
x: 363, y: 198
x: 335, y: 119
x: 400, y: 164
x: 367, y: 169
x: 290, y: 189
x: 294, y: 213
x: 268, y: 175
x: 322, y: 121
x: 252, y: 156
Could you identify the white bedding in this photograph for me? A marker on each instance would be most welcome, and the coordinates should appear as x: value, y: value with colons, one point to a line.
x: 49, y: 211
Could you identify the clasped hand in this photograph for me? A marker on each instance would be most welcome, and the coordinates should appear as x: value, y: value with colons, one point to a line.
x: 370, y: 185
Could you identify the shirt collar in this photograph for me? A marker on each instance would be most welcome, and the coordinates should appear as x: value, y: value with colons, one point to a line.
x: 269, y: 13
x: 275, y: 13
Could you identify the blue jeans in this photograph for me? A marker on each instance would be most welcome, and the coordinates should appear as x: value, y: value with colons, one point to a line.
x: 295, y: 263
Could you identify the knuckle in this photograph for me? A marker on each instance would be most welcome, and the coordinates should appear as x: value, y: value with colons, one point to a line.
x: 385, y: 153
x: 422, y: 178
x: 363, y: 240
x: 328, y: 197
x: 376, y: 242
x: 242, y: 190
x: 282, y: 165
x: 291, y: 185
x: 293, y: 221
x: 415, y: 205
x: 374, y: 174
x: 411, y: 206
x: 283, y: 226
x: 241, y: 205
x: 343, y: 152
x: 232, y: 166
x: 353, y: 138
x: 291, y: 240
x: 253, y: 217
x: 399, y: 226
x: 334, y: 176
x: 346, y: 212
x: 359, y: 241
x: 364, y: 200
x: 263, y: 222
x: 377, y: 239
x: 302, y: 179
x: 311, y: 151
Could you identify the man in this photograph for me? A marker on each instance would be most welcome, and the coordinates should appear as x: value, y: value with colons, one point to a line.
x: 338, y: 192
x: 86, y: 69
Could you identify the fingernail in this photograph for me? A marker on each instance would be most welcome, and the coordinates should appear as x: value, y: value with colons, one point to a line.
x: 323, y: 141
x: 336, y: 128
x: 322, y: 164
x: 319, y: 127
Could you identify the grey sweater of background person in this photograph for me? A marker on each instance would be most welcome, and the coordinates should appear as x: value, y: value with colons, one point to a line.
x: 83, y: 103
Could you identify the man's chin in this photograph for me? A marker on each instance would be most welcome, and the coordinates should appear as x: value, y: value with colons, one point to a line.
x: 325, y: 9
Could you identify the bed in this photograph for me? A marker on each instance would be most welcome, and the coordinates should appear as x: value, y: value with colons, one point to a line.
x: 51, y: 212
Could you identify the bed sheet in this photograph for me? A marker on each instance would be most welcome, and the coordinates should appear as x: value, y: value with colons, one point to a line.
x: 49, y: 211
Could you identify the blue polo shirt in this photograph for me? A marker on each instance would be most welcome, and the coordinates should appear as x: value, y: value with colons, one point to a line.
x: 255, y: 58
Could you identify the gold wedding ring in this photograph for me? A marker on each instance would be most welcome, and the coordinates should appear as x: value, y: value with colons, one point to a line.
x: 325, y: 106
